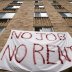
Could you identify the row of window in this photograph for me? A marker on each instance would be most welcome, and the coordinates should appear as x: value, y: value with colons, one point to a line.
x: 63, y: 14
x: 54, y: 1
x: 41, y: 14
x: 44, y: 14
x: 5, y: 16
x: 14, y: 7
x: 36, y: 14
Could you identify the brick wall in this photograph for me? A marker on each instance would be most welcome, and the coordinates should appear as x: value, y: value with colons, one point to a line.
x: 23, y: 19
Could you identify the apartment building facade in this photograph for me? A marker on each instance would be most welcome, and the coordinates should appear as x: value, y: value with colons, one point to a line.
x: 35, y: 15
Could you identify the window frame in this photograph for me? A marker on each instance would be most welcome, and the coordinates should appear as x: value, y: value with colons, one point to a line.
x: 6, y: 14
x: 11, y: 7
x: 63, y: 14
x: 39, y: 14
x: 39, y: 29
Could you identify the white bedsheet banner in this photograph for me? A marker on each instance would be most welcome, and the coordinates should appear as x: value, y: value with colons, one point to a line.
x: 29, y: 51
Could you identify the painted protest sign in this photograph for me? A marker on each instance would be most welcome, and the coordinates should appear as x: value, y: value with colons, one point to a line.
x: 37, y: 52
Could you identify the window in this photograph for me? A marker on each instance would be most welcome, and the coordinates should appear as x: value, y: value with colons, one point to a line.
x: 70, y: 2
x: 19, y: 2
x: 6, y: 15
x: 44, y: 29
x: 1, y: 29
x: 12, y: 7
x: 64, y: 14
x: 68, y: 14
x: 43, y: 14
x: 36, y: 1
x: 58, y: 7
x: 8, y: 7
x: 39, y: 6
x: 40, y: 14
